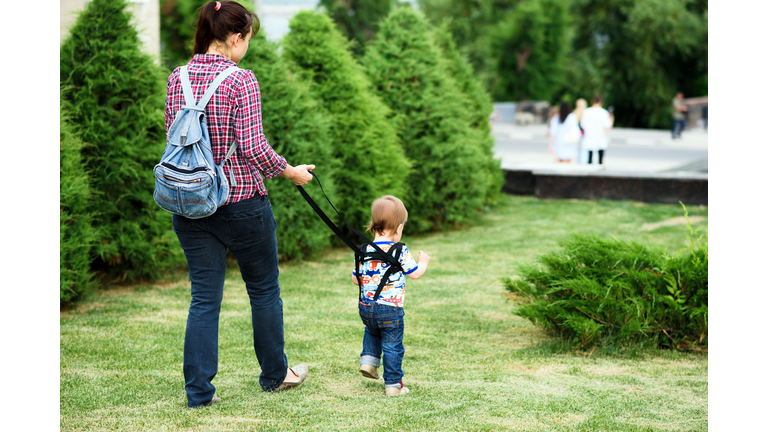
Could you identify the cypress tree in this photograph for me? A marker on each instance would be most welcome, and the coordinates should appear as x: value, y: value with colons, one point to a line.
x: 118, y: 98
x: 76, y: 233
x: 448, y: 183
x: 372, y: 162
x: 178, y: 19
x: 296, y: 129
x: 358, y: 20
x: 479, y: 109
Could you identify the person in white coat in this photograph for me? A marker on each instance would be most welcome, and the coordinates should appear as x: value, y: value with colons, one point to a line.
x: 596, y: 122
x: 565, y: 130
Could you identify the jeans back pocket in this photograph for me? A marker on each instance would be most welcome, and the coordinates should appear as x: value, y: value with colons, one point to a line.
x: 245, y: 228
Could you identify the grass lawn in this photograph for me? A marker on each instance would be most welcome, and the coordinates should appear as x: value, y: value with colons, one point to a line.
x: 471, y: 365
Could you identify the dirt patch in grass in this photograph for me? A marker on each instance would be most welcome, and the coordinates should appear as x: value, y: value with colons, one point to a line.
x: 672, y: 222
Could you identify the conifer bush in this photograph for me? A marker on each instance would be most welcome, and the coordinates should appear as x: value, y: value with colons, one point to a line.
x: 117, y: 103
x: 77, y: 236
x: 372, y: 162
x: 479, y: 109
x: 448, y: 184
x: 178, y: 19
x: 296, y: 129
x: 608, y: 291
x: 358, y: 20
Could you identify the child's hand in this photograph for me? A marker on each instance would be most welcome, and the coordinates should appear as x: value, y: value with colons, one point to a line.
x: 423, y: 257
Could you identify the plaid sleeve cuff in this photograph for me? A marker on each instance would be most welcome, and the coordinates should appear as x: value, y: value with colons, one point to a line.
x: 275, y: 169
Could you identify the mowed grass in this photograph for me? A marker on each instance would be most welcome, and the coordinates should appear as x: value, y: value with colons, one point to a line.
x: 470, y: 363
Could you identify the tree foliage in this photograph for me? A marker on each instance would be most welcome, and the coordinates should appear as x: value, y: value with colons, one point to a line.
x: 529, y: 46
x: 479, y: 109
x: 595, y: 290
x: 372, y: 162
x: 470, y: 22
x: 117, y: 102
x: 358, y: 20
x: 298, y: 130
x: 448, y: 183
x: 636, y: 53
x: 645, y: 50
x: 77, y: 235
x: 178, y: 19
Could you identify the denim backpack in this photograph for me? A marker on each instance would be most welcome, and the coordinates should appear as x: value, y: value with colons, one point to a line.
x: 187, y: 182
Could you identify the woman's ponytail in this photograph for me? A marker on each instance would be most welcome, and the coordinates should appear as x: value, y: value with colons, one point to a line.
x: 216, y: 24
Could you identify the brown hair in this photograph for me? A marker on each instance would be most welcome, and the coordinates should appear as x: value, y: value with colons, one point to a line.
x: 387, y: 213
x: 597, y: 98
x: 218, y: 25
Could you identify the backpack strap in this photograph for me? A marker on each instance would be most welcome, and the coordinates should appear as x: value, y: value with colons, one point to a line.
x: 215, y: 85
x: 189, y: 97
x: 200, y: 106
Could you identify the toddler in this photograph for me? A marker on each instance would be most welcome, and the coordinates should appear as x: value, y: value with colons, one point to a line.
x: 383, y: 318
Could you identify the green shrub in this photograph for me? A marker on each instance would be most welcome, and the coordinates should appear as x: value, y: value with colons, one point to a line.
x: 178, y: 19
x: 117, y: 103
x: 77, y: 236
x: 364, y: 142
x: 597, y: 290
x: 297, y: 129
x: 479, y: 109
x: 448, y: 184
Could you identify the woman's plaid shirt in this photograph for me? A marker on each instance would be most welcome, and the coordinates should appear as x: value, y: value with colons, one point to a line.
x: 234, y: 112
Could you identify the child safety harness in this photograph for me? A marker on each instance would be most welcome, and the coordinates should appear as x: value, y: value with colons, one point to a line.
x: 362, y: 255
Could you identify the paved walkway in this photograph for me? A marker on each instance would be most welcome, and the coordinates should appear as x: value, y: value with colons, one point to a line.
x: 640, y: 151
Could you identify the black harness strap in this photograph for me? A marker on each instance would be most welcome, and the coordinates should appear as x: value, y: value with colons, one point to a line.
x: 361, y: 256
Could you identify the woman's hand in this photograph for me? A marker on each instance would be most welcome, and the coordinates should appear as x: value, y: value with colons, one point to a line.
x: 299, y: 175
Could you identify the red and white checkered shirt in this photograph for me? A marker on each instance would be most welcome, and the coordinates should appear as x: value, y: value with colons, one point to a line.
x: 234, y: 112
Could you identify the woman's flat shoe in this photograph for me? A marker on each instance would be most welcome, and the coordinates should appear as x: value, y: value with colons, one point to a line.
x: 300, y: 371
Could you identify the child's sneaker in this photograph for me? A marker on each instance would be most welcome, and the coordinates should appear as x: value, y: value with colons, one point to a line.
x: 396, y: 391
x: 369, y: 371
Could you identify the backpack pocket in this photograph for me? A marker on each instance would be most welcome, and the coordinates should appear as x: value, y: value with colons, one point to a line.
x: 188, y: 195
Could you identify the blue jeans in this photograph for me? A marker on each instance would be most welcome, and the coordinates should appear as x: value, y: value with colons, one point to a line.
x: 384, y: 326
x: 248, y: 229
x: 678, y: 126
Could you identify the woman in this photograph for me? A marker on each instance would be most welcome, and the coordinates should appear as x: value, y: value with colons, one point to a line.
x: 564, y: 128
x: 581, y: 105
x: 244, y: 225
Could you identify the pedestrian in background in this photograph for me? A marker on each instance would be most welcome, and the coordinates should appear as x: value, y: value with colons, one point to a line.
x: 552, y: 111
x: 581, y: 105
x: 564, y: 128
x: 596, y: 121
x: 678, y: 115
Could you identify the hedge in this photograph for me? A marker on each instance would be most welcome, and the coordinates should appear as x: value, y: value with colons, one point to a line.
x: 77, y: 236
x: 117, y: 102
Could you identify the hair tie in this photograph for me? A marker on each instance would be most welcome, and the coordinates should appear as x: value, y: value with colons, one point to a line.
x: 218, y: 5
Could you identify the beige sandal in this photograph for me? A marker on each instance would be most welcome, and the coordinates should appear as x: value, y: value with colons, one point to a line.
x: 300, y: 371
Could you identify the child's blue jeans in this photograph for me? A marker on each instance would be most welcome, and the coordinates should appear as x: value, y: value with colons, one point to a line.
x: 384, y: 326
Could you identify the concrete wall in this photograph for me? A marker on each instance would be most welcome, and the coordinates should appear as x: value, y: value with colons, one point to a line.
x: 146, y: 15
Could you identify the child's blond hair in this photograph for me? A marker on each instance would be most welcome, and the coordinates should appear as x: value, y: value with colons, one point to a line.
x: 387, y: 213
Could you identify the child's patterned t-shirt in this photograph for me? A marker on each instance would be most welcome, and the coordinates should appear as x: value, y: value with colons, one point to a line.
x: 371, y: 272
